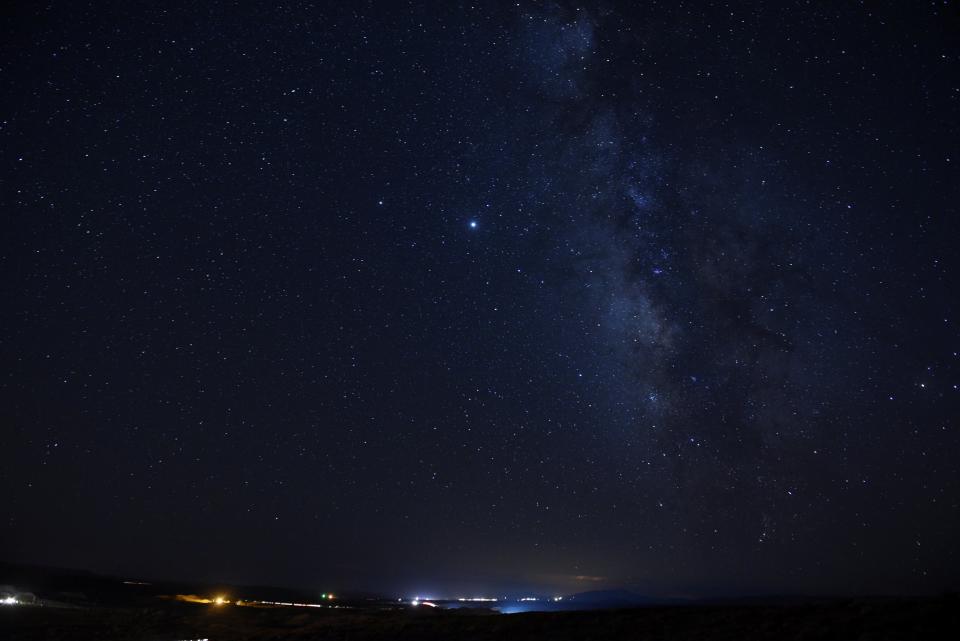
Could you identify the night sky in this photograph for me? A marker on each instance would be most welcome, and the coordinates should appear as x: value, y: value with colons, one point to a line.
x: 434, y: 296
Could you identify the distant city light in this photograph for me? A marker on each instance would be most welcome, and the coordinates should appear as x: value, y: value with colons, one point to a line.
x: 415, y: 602
x: 222, y: 600
x: 9, y: 600
x: 288, y: 604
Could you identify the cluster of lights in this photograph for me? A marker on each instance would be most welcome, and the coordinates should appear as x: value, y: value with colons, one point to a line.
x: 9, y: 600
x: 223, y: 600
x: 418, y: 601
x: 193, y: 598
x: 288, y: 604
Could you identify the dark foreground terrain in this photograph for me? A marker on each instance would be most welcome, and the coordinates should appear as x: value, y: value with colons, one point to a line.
x: 852, y: 619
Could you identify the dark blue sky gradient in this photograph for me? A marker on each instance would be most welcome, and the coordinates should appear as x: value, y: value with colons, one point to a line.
x: 430, y: 296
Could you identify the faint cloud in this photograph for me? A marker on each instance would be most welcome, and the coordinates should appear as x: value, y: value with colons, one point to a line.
x: 589, y: 578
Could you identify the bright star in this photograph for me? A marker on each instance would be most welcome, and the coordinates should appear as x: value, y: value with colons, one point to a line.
x: 473, y: 224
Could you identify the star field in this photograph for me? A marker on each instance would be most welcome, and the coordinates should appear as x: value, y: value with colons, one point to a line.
x: 503, y: 296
